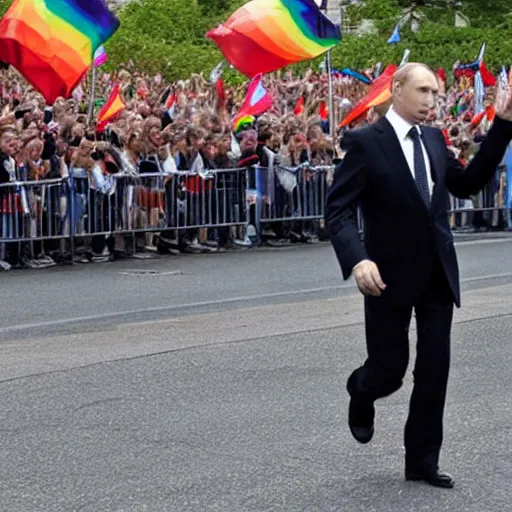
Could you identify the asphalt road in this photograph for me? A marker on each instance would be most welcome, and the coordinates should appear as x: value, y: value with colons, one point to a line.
x: 216, y: 383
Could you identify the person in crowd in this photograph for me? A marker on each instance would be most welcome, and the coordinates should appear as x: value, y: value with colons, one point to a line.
x: 9, y: 148
x: 169, y: 128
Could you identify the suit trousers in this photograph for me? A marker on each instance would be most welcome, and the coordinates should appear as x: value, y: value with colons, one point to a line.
x: 387, y: 336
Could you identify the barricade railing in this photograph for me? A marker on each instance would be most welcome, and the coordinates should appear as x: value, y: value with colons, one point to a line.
x: 295, y: 195
x: 77, y: 208
x: 186, y: 200
x: 156, y: 203
x: 32, y: 210
x: 486, y: 210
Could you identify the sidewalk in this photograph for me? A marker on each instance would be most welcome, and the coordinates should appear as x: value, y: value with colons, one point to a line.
x: 461, y: 236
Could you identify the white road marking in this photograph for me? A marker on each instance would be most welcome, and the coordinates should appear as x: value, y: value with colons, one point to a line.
x: 230, y: 300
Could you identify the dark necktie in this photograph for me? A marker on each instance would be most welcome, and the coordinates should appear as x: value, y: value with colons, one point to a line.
x: 420, y: 167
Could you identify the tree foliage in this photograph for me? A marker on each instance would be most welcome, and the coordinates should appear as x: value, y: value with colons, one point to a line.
x: 4, y: 5
x: 168, y: 36
x: 435, y: 45
x: 439, y: 42
x: 481, y: 13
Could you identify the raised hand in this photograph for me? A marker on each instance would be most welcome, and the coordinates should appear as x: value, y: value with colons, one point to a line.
x: 503, y: 104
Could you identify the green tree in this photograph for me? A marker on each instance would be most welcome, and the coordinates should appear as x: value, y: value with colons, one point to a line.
x: 167, y: 36
x: 481, y: 13
x: 4, y: 5
x: 214, y: 5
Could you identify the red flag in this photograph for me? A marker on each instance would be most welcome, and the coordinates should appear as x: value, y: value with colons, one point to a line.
x: 379, y: 93
x: 171, y: 100
x: 447, y: 137
x: 488, y: 78
x: 113, y: 107
x: 441, y: 73
x: 299, y: 108
x: 221, y: 95
x: 324, y: 112
x: 489, y: 112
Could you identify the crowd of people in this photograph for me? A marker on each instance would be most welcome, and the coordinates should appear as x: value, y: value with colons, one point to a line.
x: 192, y: 133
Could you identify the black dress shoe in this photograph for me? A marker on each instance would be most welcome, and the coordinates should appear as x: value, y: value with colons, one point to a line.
x: 435, y: 478
x: 361, y: 414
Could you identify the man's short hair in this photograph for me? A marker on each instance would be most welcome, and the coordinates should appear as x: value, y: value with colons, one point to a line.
x: 403, y: 73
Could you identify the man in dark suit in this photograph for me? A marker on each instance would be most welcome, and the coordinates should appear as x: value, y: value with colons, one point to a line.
x: 400, y: 173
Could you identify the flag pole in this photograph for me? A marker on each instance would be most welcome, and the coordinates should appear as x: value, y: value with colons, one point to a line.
x: 332, y: 124
x: 92, y: 93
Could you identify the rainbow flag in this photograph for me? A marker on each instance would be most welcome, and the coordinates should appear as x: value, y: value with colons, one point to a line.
x: 266, y: 35
x: 112, y: 108
x: 379, y: 93
x: 239, y: 123
x: 257, y: 102
x: 100, y: 57
x: 52, y: 42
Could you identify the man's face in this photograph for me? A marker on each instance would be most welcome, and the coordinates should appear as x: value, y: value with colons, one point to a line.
x: 137, y: 125
x: 78, y: 131
x: 249, y: 142
x: 415, y: 98
x: 197, y: 143
x: 85, y: 148
x: 62, y: 147
x: 9, y: 145
x: 275, y: 141
x: 225, y: 145
x: 180, y: 144
x: 34, y: 150
x: 210, y: 150
x: 156, y: 138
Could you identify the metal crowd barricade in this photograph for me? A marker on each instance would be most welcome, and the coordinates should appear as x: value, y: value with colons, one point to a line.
x: 486, y: 210
x: 179, y: 201
x: 74, y: 209
x: 33, y: 210
x: 155, y: 203
x: 288, y: 194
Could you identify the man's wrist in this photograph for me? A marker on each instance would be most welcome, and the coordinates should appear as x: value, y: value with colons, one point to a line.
x: 359, y: 264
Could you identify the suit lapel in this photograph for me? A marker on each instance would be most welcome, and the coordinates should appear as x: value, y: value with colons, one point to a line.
x: 392, y: 151
x: 435, y: 155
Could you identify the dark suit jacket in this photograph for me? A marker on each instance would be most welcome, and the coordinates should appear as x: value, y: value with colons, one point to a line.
x: 401, y: 234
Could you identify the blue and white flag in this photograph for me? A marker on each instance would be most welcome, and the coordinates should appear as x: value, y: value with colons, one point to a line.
x: 395, y: 36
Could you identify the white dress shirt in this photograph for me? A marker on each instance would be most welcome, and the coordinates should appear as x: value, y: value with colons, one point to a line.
x: 402, y: 128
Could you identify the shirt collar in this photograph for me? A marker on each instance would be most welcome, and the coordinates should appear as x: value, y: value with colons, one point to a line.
x: 399, y: 124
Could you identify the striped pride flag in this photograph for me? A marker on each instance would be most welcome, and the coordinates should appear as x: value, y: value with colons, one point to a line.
x: 100, y: 57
